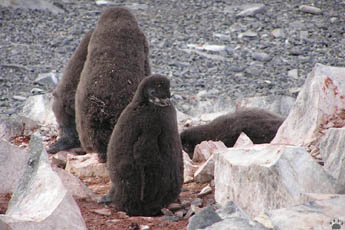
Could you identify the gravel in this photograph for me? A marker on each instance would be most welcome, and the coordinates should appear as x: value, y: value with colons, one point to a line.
x: 228, y: 49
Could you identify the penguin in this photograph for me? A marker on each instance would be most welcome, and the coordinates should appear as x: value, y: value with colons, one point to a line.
x: 64, y: 99
x: 117, y: 61
x: 259, y: 125
x: 145, y: 161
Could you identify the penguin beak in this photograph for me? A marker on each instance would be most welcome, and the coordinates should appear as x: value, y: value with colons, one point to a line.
x: 161, y: 102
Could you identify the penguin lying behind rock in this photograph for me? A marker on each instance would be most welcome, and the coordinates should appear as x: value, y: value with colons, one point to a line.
x: 145, y: 153
x: 259, y: 125
x: 117, y: 61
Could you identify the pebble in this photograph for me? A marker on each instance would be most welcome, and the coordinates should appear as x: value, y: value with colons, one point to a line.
x: 293, y: 73
x: 310, y: 9
x: 103, y: 211
x: 205, y: 191
x: 261, y: 56
x: 251, y: 10
x: 170, y: 218
x: 174, y: 206
x: 248, y: 34
x: 278, y: 33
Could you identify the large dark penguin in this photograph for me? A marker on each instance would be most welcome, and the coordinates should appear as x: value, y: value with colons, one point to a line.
x: 117, y: 61
x: 64, y: 99
x: 145, y: 153
x: 259, y: 125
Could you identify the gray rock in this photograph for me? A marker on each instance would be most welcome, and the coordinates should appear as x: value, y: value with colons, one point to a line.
x: 248, y: 34
x: 40, y: 201
x: 48, y: 79
x: 278, y: 33
x: 203, y: 219
x: 12, y: 164
x: 170, y: 218
x: 261, y: 56
x: 32, y: 4
x: 16, y: 126
x: 310, y: 9
x: 332, y: 149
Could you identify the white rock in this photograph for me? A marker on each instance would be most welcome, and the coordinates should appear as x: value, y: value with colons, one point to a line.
x: 206, y: 190
x: 310, y: 9
x: 332, y: 149
x: 86, y: 166
x: 243, y: 141
x: 247, y: 34
x: 251, y: 10
x: 40, y: 200
x: 205, y: 149
x: 75, y: 187
x: 264, y: 177
x: 189, y: 167
x: 278, y: 33
x: 276, y: 104
x: 39, y: 109
x: 205, y: 173
x: 207, y: 47
x: 320, y: 100
x: 293, y: 73
x: 12, y: 164
x: 318, y: 214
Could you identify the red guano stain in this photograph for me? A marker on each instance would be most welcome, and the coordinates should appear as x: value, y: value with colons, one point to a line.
x: 328, y: 81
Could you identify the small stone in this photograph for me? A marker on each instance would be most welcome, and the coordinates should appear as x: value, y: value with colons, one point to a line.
x: 36, y: 91
x: 188, y: 179
x: 170, y: 218
x: 48, y: 79
x: 248, y: 34
x: 310, y: 9
x: 167, y: 212
x: 102, y: 212
x: 180, y: 213
x: 185, y: 203
x: 174, y: 206
x: 19, y: 98
x: 293, y: 73
x: 251, y: 10
x: 113, y: 221
x: 236, y: 69
x: 261, y: 56
x: 278, y: 33
x: 122, y: 215
x: 334, y: 19
x: 197, y: 202
x: 205, y: 191
x: 304, y: 34
x: 144, y: 227
x: 60, y: 159
x: 189, y: 213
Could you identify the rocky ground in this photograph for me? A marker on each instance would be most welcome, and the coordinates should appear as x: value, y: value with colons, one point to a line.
x: 209, y: 51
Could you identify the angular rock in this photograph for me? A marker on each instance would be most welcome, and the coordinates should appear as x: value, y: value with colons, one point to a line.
x: 16, y: 126
x: 74, y: 185
x: 40, y: 200
x: 86, y: 166
x: 207, y: 47
x: 39, y: 109
x: 206, y: 190
x: 205, y: 149
x: 320, y: 101
x: 274, y: 103
x: 248, y: 34
x: 12, y: 164
x: 204, y: 218
x: 60, y: 159
x: 251, y: 10
x: 264, y: 177
x: 318, y: 214
x: 189, y: 167
x: 48, y: 79
x: 310, y: 9
x: 205, y: 173
x: 332, y: 149
x: 243, y: 141
x: 293, y: 73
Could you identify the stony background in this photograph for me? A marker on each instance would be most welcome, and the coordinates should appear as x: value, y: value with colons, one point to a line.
x: 252, y: 58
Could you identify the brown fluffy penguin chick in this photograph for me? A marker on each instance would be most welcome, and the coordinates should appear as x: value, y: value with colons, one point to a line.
x: 64, y: 99
x: 144, y: 153
x: 117, y: 61
x: 259, y: 125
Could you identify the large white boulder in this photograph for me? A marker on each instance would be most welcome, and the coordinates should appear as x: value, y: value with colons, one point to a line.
x: 12, y: 164
x: 321, y: 100
x: 332, y: 150
x: 264, y: 177
x: 320, y: 214
x: 40, y: 201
